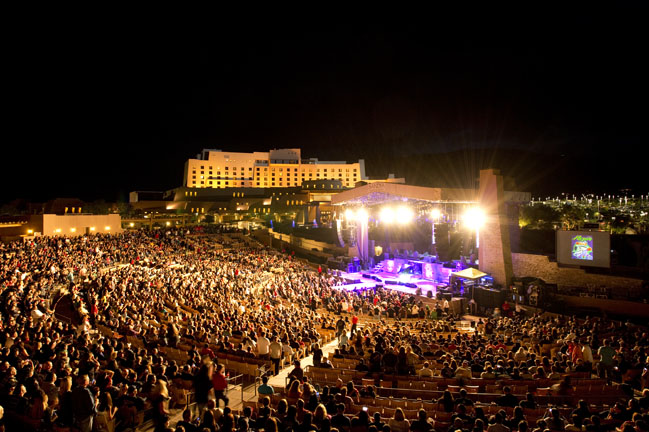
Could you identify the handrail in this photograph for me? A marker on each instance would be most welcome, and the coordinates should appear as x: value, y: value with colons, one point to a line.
x: 235, y: 378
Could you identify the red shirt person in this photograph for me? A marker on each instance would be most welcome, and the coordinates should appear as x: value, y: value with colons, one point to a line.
x: 220, y: 384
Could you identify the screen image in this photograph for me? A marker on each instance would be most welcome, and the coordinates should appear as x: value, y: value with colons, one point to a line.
x: 584, y: 248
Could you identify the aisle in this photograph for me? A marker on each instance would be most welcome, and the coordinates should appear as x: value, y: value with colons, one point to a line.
x: 280, y: 379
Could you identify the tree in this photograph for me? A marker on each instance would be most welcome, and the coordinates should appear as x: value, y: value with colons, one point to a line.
x: 572, y: 215
x: 538, y: 216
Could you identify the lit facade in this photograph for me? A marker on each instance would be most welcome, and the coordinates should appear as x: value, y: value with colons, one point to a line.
x: 278, y: 168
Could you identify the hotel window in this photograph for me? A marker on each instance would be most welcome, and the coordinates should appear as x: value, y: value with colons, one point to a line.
x: 226, y: 168
x: 202, y: 167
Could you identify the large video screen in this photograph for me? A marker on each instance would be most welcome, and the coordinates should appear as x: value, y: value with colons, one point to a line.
x: 584, y: 248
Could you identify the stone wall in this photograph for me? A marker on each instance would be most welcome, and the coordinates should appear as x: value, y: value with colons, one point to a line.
x: 550, y: 272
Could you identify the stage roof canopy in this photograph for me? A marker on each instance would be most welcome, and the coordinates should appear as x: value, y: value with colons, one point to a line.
x: 469, y: 273
x: 378, y: 193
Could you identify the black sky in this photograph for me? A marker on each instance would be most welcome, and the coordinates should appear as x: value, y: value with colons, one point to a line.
x: 98, y: 110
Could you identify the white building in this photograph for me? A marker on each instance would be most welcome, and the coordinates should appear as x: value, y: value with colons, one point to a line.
x: 276, y: 168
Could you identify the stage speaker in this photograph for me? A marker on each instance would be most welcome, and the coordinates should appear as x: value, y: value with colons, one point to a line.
x: 441, y: 242
x: 429, y: 294
x: 458, y: 305
x: 488, y: 298
x: 391, y: 282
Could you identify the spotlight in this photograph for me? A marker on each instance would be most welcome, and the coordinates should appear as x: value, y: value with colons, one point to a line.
x: 404, y: 215
x: 474, y: 218
x: 387, y: 215
x: 361, y: 215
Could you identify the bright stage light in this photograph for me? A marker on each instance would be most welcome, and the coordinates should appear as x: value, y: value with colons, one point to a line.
x: 435, y: 214
x: 404, y: 215
x: 474, y: 218
x: 361, y: 215
x: 349, y: 215
x: 387, y: 215
x: 404, y: 277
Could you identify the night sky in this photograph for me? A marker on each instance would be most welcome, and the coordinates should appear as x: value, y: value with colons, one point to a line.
x: 556, y: 100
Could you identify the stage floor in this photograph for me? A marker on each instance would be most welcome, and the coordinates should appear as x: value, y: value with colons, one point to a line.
x: 365, y: 283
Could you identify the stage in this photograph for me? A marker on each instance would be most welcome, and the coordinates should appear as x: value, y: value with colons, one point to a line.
x: 361, y: 281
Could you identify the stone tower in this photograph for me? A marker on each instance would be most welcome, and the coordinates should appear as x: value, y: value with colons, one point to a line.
x: 495, y: 252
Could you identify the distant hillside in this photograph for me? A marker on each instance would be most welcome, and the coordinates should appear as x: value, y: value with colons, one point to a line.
x: 533, y: 172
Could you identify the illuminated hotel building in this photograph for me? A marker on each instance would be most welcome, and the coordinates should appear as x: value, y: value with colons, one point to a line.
x: 278, y: 168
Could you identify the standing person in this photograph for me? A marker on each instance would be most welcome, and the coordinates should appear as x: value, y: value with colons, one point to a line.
x: 506, y: 309
x: 605, y: 366
x: 202, y: 386
x: 275, y: 350
x: 317, y: 354
x: 587, y: 353
x: 220, y: 384
x: 84, y: 405
x: 354, y: 324
x: 473, y: 307
x: 263, y: 345
x: 340, y: 328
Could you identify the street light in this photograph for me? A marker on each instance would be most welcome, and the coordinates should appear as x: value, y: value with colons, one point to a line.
x: 474, y: 219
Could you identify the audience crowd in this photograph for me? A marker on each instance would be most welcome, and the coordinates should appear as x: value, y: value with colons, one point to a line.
x: 71, y: 306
